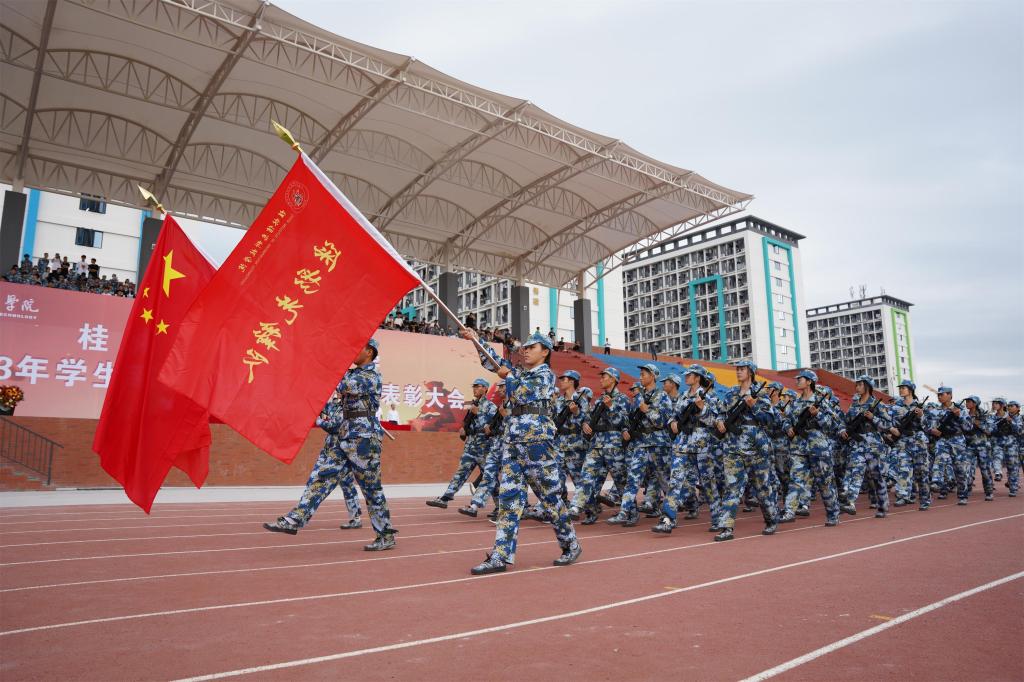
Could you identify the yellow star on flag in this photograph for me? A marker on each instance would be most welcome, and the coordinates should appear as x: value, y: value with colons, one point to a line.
x: 145, y: 293
x: 169, y: 273
x: 147, y: 315
x: 161, y: 327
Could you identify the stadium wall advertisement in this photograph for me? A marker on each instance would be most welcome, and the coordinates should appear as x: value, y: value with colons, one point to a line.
x: 59, y: 347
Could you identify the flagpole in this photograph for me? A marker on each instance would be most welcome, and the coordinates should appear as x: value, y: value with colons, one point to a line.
x: 289, y: 139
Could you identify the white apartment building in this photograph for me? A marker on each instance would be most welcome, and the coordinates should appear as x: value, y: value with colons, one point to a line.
x: 489, y: 298
x: 867, y: 336
x: 727, y: 292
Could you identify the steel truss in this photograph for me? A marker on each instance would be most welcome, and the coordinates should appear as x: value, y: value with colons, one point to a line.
x: 226, y: 183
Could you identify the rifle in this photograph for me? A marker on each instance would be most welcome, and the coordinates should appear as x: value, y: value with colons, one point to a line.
x: 906, y: 424
x: 633, y: 425
x: 855, y: 427
x: 946, y: 426
x: 737, y: 411
x: 467, y: 421
x: 563, y: 415
x: 687, y: 417
x: 803, y: 421
x: 1004, y: 427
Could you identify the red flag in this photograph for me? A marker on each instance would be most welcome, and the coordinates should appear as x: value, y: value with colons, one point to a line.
x: 145, y: 427
x: 265, y: 344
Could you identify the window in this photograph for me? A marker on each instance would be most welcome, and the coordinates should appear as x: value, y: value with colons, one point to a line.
x: 90, y: 238
x: 783, y: 350
x: 782, y: 315
x: 778, y: 265
x: 778, y: 282
x: 779, y: 298
x: 91, y: 203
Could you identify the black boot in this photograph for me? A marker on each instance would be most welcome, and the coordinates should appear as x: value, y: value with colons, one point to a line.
x: 569, y: 555
x: 385, y: 540
x: 725, y: 534
x: 770, y: 528
x: 352, y: 524
x: 439, y: 502
x: 468, y: 510
x: 491, y: 564
x: 665, y: 526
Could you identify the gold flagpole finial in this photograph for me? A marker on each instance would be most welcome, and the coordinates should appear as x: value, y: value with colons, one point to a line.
x: 150, y: 200
x: 286, y: 135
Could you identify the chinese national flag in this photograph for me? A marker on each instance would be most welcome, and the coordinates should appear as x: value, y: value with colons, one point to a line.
x: 268, y: 340
x: 146, y: 428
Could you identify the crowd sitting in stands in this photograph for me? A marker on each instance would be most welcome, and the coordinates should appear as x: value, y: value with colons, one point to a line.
x: 58, y: 273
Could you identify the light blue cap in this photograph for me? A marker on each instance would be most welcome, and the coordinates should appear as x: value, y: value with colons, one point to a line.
x: 652, y: 368
x: 481, y: 382
x: 748, y: 364
x: 538, y: 338
x: 974, y: 399
x: 864, y: 378
x: 612, y: 372
x: 945, y: 389
x: 909, y: 384
x: 774, y: 386
x: 695, y: 369
x: 570, y: 374
x: 637, y: 386
x: 999, y: 400
x: 372, y: 343
x: 790, y: 392
x: 1013, y: 403
x: 808, y: 374
x: 675, y: 379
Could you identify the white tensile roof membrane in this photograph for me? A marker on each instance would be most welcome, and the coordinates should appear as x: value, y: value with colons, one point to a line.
x: 178, y: 96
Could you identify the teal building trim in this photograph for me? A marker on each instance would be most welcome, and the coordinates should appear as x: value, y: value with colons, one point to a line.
x: 602, y: 334
x: 765, y: 242
x: 553, y: 309
x: 723, y: 351
x: 28, y: 235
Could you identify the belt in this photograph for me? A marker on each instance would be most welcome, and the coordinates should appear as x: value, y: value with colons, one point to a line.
x: 355, y: 414
x: 568, y: 432
x: 605, y: 429
x: 530, y: 409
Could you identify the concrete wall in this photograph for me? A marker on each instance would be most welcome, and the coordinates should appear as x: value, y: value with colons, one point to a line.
x: 413, y: 457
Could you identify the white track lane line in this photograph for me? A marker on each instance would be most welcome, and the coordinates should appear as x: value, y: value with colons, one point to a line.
x: 573, y: 614
x: 132, y: 511
x: 335, y: 595
x: 330, y: 515
x: 359, y: 561
x: 144, y: 538
x: 864, y: 634
x: 136, y: 517
x: 251, y: 548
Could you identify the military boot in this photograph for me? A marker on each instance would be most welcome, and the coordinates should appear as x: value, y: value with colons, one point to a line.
x: 570, y: 555
x: 665, y: 526
x: 385, y: 540
x: 282, y: 525
x: 439, y: 502
x: 352, y: 524
x: 725, y: 534
x: 491, y: 564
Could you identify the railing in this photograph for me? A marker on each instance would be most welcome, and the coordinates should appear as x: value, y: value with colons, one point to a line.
x: 26, y: 447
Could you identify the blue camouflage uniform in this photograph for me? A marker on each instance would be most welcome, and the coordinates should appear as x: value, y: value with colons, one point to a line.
x: 951, y: 447
x: 976, y: 439
x: 474, y: 453
x: 912, y: 446
x: 1007, y: 430
x: 606, y: 457
x: 331, y: 469
x: 811, y: 457
x: 867, y: 453
x: 747, y: 456
x: 570, y: 442
x: 529, y: 453
x: 692, y: 452
x: 491, y: 470
x: 652, y: 447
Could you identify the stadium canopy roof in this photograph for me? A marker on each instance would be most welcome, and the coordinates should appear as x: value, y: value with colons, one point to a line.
x: 178, y: 96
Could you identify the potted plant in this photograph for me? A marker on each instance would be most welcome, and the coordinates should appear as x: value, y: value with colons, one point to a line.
x: 10, y: 396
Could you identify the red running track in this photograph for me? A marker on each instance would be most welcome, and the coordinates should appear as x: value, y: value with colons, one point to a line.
x: 201, y: 591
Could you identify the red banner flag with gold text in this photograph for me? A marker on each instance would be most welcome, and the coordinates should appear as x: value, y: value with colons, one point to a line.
x: 146, y: 428
x: 268, y: 340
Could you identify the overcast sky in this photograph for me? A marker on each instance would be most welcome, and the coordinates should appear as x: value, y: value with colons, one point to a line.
x: 890, y: 134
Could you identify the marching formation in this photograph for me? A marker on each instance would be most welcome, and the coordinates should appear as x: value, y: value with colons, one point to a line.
x: 669, y: 445
x: 683, y: 443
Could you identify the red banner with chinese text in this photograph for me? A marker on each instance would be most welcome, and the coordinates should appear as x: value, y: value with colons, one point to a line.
x: 268, y: 340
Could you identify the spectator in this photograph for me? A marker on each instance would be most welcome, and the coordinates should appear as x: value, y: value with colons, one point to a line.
x: 65, y: 267
x: 471, y: 320
x: 654, y: 350
x: 607, y: 346
x: 577, y: 347
x: 560, y: 346
x: 43, y: 263
x: 94, y: 269
x: 55, y: 263
x: 81, y: 268
x: 551, y: 335
x: 26, y: 264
